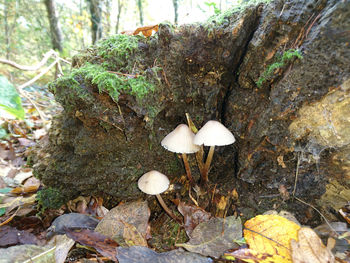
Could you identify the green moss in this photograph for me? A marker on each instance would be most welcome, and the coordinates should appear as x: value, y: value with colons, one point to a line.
x: 280, y: 61
x: 112, y: 83
x: 220, y: 18
x: 49, y: 198
x: 117, y: 50
x: 68, y: 92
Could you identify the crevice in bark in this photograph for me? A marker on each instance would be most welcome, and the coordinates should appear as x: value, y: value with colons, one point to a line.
x: 235, y: 70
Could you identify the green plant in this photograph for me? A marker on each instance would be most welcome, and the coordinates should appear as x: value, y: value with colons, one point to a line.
x: 10, y: 101
x: 220, y: 17
x: 49, y: 198
x: 213, y: 4
x: 117, y: 50
x: 114, y: 83
x: 281, y: 61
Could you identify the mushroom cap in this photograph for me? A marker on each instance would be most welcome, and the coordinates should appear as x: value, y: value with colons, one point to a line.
x: 153, y: 183
x: 180, y: 140
x: 213, y: 133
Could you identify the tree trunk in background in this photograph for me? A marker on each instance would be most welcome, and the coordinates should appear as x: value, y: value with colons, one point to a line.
x: 7, y: 31
x: 120, y: 8
x: 139, y: 5
x: 56, y: 33
x: 81, y: 8
x: 176, y: 8
x: 10, y: 14
x: 108, y: 17
x: 96, y: 21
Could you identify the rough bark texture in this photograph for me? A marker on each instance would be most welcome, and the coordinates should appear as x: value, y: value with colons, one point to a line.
x: 243, y: 68
x: 56, y: 33
x: 96, y: 19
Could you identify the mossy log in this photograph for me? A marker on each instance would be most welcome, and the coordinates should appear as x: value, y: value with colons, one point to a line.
x: 276, y: 74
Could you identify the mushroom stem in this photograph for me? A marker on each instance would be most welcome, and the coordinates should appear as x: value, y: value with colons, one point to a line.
x: 166, y: 208
x: 188, y: 169
x: 207, y: 164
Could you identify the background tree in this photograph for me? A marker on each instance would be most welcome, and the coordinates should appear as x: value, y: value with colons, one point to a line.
x: 176, y: 10
x: 96, y: 19
x: 56, y: 33
x: 139, y: 6
x: 120, y: 8
x: 107, y: 15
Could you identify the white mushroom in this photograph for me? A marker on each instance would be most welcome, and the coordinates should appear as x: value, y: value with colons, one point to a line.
x: 212, y: 134
x: 180, y: 140
x: 155, y: 183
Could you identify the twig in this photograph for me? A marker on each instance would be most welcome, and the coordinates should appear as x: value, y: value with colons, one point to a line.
x: 24, y: 94
x: 123, y: 74
x: 30, y: 68
x: 251, y: 230
x: 325, y: 219
x: 296, y: 174
x: 42, y: 73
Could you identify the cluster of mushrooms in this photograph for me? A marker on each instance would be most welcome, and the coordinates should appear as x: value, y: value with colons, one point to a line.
x: 183, y: 141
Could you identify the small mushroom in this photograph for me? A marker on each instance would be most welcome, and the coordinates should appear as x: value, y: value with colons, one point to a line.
x: 180, y: 140
x: 155, y: 183
x: 212, y: 134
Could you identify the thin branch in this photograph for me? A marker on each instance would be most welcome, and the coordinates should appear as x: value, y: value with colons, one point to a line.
x: 296, y: 175
x: 24, y: 94
x: 42, y: 73
x: 30, y: 68
x: 325, y: 219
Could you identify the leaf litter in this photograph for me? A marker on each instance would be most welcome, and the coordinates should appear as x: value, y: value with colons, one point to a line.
x: 214, y: 237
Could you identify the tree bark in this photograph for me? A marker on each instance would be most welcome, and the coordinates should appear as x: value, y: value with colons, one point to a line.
x: 120, y: 8
x: 108, y: 17
x: 176, y: 8
x: 96, y: 21
x: 56, y: 32
x: 139, y: 5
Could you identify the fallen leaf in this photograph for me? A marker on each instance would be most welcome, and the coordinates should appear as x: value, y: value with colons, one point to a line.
x: 71, y: 221
x: 25, y: 189
x: 27, y: 254
x: 23, y: 175
x: 132, y: 236
x: 10, y: 236
x: 133, y: 213
x: 249, y: 255
x: 310, y: 248
x: 214, y: 237
x: 38, y: 134
x: 18, y: 201
x: 63, y: 244
x: 146, y: 30
x: 104, y: 245
x: 193, y: 216
x: 271, y: 235
x: 138, y: 254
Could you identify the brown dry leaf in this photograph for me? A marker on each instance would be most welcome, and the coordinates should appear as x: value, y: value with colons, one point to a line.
x: 135, y: 213
x: 271, y: 234
x: 25, y: 189
x: 193, y: 216
x: 11, y: 236
x: 249, y: 255
x: 309, y: 248
x: 146, y: 30
x: 132, y: 236
x: 128, y: 32
x: 101, y: 243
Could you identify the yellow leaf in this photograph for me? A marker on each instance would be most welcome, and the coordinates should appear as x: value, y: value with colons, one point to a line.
x: 269, y: 236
